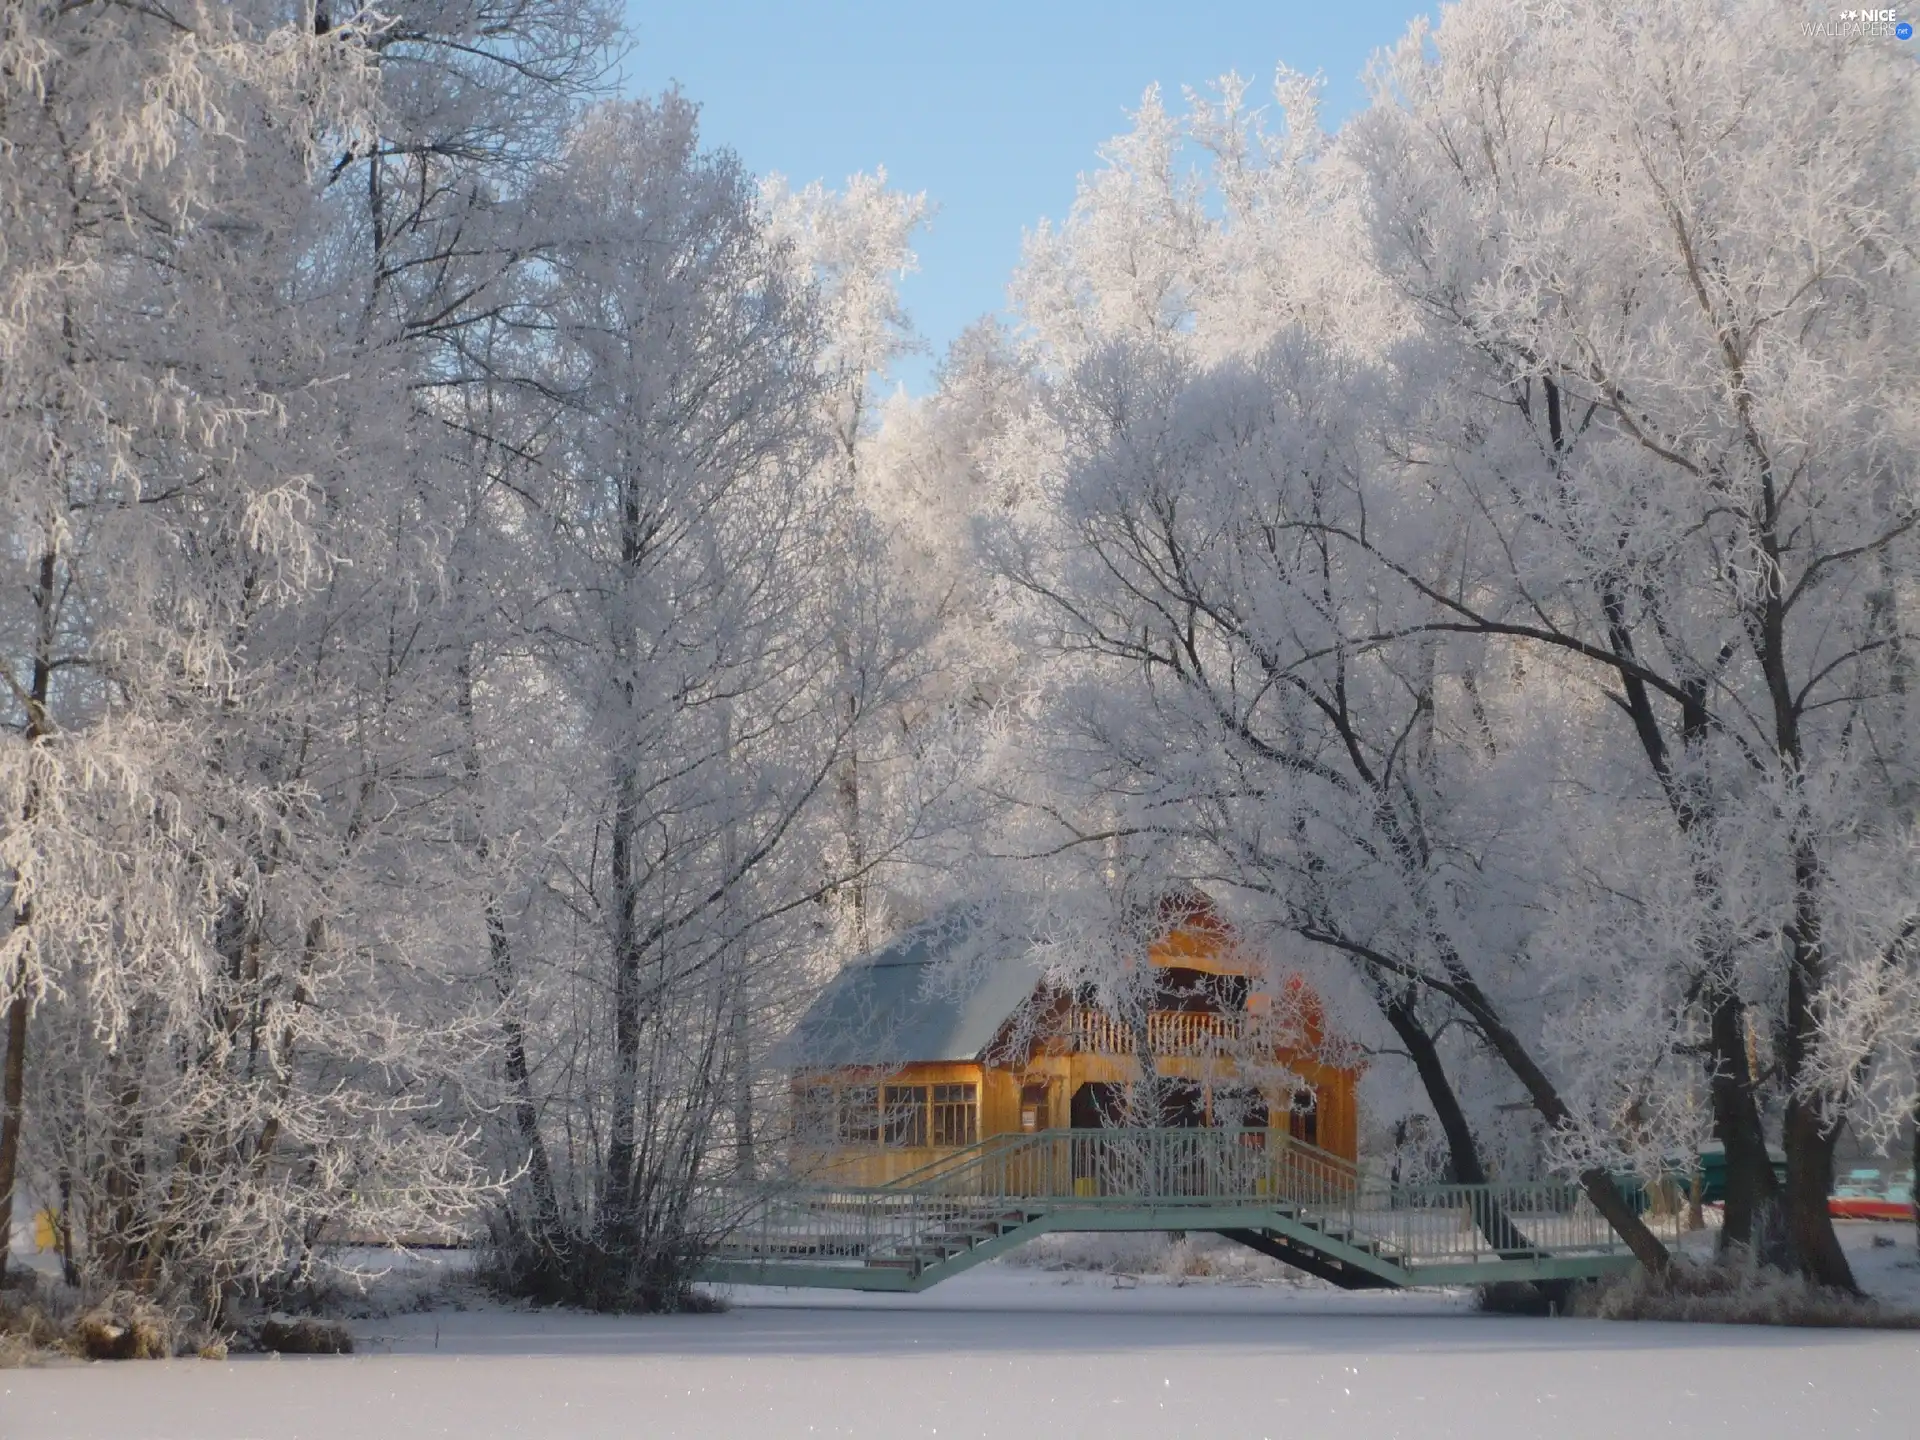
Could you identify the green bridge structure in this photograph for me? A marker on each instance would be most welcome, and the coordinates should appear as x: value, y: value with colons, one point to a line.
x: 1316, y: 1211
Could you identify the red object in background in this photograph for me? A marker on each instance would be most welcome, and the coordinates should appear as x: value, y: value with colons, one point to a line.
x: 1868, y: 1207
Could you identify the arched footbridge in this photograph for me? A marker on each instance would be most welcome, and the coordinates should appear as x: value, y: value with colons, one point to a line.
x: 1314, y: 1210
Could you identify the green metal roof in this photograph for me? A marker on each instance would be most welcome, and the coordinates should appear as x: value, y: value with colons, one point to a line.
x: 940, y: 991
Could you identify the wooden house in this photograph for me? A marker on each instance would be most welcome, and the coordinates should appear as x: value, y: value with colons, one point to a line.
x: 953, y: 1033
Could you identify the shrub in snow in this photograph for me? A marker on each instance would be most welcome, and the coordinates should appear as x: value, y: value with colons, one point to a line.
x: 303, y: 1335
x: 1734, y: 1292
x: 35, y: 1319
x: 124, y: 1326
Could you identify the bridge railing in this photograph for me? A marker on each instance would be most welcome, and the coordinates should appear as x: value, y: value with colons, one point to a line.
x: 792, y: 1219
x: 1009, y: 1176
x: 1448, y: 1223
x: 857, y: 1226
x: 1145, y: 1165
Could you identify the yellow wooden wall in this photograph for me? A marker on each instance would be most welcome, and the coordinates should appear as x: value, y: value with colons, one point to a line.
x: 1063, y: 1074
x: 880, y: 1165
x: 1203, y: 943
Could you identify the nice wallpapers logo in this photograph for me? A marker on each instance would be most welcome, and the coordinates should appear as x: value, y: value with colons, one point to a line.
x: 1862, y: 25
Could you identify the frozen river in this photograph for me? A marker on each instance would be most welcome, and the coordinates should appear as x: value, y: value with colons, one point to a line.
x: 1004, y: 1354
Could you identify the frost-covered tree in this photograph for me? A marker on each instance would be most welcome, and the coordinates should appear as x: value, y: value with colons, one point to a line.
x: 941, y: 464
x: 1213, y: 715
x: 200, y: 1112
x: 263, y: 238
x: 687, y: 597
x: 1614, y: 481
x: 1248, y: 235
x: 1207, y: 233
x: 851, y: 248
x: 1657, y: 257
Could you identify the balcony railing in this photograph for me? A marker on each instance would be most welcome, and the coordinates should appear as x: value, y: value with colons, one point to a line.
x: 1169, y: 1032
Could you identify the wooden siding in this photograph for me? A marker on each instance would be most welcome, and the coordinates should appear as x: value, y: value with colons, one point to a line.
x: 1079, y: 1046
x: 882, y: 1164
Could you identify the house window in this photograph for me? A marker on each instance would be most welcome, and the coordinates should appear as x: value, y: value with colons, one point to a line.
x: 813, y: 1115
x: 906, y: 1117
x: 897, y: 1116
x: 956, y: 1114
x: 860, y: 1115
x: 1033, y: 1107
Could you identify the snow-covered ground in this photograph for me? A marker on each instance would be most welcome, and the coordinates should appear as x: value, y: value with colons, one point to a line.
x: 1006, y: 1352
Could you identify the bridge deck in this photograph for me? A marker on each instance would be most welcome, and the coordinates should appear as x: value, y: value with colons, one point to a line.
x: 1285, y: 1198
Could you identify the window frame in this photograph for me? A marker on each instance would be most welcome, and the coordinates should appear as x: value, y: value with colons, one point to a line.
x: 955, y: 1115
x: 903, y: 1117
x: 854, y: 1103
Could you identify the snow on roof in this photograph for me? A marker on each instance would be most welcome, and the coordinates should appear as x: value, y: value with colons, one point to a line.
x: 940, y: 991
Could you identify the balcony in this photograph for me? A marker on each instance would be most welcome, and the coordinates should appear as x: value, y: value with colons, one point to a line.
x: 1169, y: 1032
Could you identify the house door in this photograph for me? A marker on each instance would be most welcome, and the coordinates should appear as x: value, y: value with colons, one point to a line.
x: 1095, y: 1105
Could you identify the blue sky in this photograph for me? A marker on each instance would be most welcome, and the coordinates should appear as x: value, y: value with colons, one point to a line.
x: 992, y: 107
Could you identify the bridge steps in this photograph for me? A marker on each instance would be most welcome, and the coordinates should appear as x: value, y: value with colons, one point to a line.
x: 1287, y: 1200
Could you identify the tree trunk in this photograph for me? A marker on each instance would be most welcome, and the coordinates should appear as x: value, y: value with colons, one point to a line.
x: 740, y: 1020
x: 1598, y: 1184
x: 116, y: 1247
x: 1811, y: 1132
x: 526, y: 1114
x: 312, y: 944
x: 853, y: 822
x: 39, y: 725
x: 1751, y: 1185
x: 1813, y: 1246
x: 617, y: 1185
x: 69, y: 1268
x: 615, y: 1223
x: 1463, y: 1154
x: 12, y: 1113
x: 1913, y: 1173
x: 1626, y: 1223
x: 1913, y: 1181
x: 742, y: 1066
